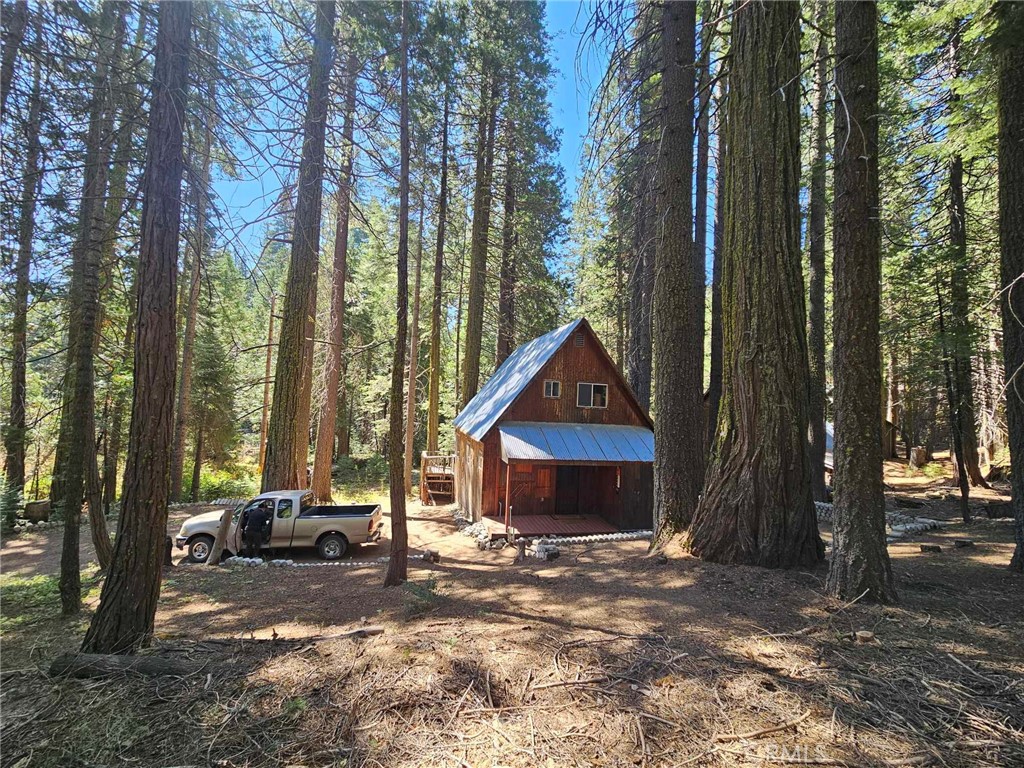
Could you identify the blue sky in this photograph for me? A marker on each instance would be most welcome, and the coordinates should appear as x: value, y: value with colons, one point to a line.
x: 576, y: 75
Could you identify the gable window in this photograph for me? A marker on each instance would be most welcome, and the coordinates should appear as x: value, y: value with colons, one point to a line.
x: 591, y: 395
x: 552, y: 389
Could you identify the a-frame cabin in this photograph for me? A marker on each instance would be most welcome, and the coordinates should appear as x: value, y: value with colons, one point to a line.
x: 556, y: 443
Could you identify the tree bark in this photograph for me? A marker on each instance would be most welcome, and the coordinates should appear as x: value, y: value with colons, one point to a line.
x: 507, y: 271
x: 1010, y: 68
x: 700, y: 215
x: 414, y: 352
x: 959, y: 325
x: 77, y: 437
x: 816, y: 260
x: 15, y: 433
x: 264, y: 419
x: 639, y: 350
x: 486, y: 131
x: 288, y: 431
x: 200, y: 254
x: 94, y: 498
x: 860, y: 560
x: 434, y: 395
x: 16, y: 22
x: 322, y: 462
x: 757, y: 506
x: 117, y: 204
x: 678, y: 330
x: 960, y: 472
x: 197, y: 465
x: 124, y: 620
x: 397, y: 571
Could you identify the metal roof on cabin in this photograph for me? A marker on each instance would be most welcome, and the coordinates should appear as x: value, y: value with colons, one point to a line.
x: 597, y: 443
x: 511, y: 378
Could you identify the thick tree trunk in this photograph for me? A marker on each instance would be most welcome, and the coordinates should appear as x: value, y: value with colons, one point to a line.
x: 288, y: 432
x: 124, y: 620
x: 678, y: 330
x: 398, y: 562
x: 76, y: 424
x: 860, y: 560
x: 322, y: 462
x: 639, y: 350
x: 816, y: 260
x: 200, y: 247
x: 757, y: 506
x: 486, y: 131
x: 15, y: 433
x: 1010, y: 68
x: 414, y: 352
x: 715, y: 375
x: 434, y: 394
x: 507, y: 273
x: 15, y: 23
x: 265, y: 418
x: 117, y: 204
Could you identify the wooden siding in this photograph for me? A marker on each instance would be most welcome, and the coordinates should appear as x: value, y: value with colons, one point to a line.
x: 572, y: 365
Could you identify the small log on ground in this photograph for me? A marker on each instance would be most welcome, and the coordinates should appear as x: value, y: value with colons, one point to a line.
x: 961, y: 543
x: 38, y: 511
x: 107, y: 665
x: 931, y: 548
x: 905, y: 502
x: 997, y: 510
x: 918, y: 456
x: 432, y: 555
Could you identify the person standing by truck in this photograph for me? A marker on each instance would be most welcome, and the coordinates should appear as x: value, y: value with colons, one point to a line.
x: 255, y: 522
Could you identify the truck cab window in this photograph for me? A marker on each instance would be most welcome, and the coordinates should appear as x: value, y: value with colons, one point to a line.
x: 284, y: 509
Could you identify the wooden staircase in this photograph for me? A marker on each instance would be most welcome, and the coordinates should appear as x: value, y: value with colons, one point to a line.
x: 437, y: 478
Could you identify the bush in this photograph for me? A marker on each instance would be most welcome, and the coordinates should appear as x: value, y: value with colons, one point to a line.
x: 228, y: 482
x: 361, y: 470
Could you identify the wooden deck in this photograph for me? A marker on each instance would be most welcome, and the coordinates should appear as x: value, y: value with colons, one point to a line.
x: 550, y: 525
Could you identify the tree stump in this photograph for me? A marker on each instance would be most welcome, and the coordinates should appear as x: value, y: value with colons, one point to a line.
x: 167, y: 551
x: 918, y: 456
x: 931, y: 548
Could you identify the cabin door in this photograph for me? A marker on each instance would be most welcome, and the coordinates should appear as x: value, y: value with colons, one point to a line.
x: 567, y: 491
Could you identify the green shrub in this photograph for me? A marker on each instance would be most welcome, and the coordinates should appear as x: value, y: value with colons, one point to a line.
x: 227, y: 482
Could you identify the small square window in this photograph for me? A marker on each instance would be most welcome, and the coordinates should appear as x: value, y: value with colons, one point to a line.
x: 591, y: 395
x: 552, y: 389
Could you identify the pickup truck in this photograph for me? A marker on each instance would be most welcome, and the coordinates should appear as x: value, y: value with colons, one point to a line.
x: 298, y: 521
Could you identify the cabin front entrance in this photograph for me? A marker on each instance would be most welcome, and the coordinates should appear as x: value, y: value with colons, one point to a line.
x: 555, y: 500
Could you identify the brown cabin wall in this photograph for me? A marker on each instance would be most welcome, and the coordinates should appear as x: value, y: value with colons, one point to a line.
x: 572, y: 365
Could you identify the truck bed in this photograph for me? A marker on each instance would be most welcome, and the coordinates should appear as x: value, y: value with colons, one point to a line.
x: 340, y: 510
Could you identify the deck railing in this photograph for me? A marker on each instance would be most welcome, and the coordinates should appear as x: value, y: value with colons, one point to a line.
x: 437, y: 478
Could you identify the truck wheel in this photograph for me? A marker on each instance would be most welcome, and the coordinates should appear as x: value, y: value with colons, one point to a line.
x: 199, y: 548
x: 332, y: 546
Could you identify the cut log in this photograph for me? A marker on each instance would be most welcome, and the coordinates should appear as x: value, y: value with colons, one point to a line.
x: 918, y: 456
x: 38, y: 511
x: 863, y: 637
x: 107, y: 665
x: 432, y: 555
x: 931, y: 548
x: 961, y: 543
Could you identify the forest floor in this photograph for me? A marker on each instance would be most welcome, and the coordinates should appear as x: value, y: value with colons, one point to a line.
x: 603, y: 657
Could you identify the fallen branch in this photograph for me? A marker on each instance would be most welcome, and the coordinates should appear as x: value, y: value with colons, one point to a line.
x: 86, y: 665
x: 722, y: 737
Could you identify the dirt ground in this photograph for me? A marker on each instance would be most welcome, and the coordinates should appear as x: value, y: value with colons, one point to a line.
x: 603, y: 657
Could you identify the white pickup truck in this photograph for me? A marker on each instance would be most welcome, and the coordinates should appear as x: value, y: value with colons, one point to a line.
x: 297, y: 521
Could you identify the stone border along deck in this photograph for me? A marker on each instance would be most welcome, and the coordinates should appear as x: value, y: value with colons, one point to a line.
x: 900, y: 525
x: 256, y: 562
